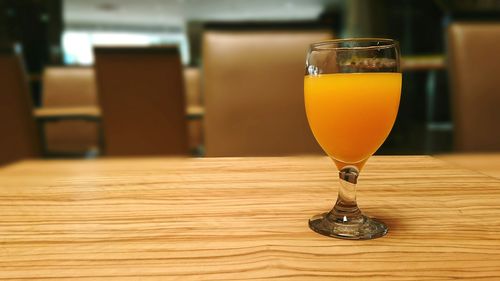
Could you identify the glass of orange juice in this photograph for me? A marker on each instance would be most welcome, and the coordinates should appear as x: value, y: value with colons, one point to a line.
x: 352, y: 89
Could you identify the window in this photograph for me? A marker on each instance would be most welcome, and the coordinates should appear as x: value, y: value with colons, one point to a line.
x: 77, y: 45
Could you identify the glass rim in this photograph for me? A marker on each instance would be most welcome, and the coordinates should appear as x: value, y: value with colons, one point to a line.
x: 332, y: 44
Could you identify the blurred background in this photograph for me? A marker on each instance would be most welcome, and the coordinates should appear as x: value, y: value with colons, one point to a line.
x: 86, y: 78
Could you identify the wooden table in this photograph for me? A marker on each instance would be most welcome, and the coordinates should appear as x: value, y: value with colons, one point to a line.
x: 430, y: 62
x: 88, y: 113
x: 486, y: 163
x: 242, y: 219
x: 92, y: 113
x: 54, y: 114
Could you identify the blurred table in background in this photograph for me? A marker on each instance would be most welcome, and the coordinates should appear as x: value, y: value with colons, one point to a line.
x: 91, y: 113
x: 94, y: 113
x: 195, y: 112
x: 43, y: 115
x: 242, y: 218
x: 429, y: 62
x: 488, y: 164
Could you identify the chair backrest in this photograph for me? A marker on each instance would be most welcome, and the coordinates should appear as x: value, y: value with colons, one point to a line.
x: 194, y: 98
x: 141, y: 94
x: 474, y: 56
x: 69, y: 86
x: 253, y: 91
x: 19, y: 138
x: 192, y: 85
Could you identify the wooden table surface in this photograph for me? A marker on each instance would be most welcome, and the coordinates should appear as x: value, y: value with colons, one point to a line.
x: 486, y: 163
x: 93, y: 112
x: 242, y: 219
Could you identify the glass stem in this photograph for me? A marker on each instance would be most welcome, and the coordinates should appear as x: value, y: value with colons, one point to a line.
x: 346, y: 209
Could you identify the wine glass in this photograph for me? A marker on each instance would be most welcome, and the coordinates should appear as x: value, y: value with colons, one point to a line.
x: 352, y: 89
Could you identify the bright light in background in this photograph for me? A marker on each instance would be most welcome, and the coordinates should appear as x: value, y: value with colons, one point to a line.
x: 77, y: 48
x: 155, y: 22
x: 110, y: 38
x: 77, y: 45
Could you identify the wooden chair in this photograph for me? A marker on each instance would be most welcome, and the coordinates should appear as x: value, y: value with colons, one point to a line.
x: 19, y: 138
x: 474, y: 59
x: 70, y: 87
x: 142, y: 101
x: 194, y: 98
x: 253, y: 90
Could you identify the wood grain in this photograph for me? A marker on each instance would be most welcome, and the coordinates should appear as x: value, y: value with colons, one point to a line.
x: 242, y: 219
x: 486, y: 163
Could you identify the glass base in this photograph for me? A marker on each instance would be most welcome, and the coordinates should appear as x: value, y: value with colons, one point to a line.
x: 361, y: 228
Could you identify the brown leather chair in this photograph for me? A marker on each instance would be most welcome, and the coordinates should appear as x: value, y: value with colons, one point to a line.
x: 474, y: 59
x: 253, y: 90
x: 19, y: 138
x: 192, y: 85
x: 193, y: 98
x: 142, y: 100
x: 70, y: 87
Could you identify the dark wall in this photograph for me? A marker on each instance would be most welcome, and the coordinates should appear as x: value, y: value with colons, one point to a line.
x: 37, y: 26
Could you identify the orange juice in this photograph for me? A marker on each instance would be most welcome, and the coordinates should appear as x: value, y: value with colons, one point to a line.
x: 351, y: 114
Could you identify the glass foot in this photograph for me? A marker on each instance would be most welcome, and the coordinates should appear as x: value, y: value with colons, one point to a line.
x: 361, y: 228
